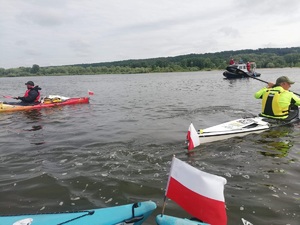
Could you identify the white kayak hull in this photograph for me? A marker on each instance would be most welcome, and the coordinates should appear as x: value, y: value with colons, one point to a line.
x: 208, y: 139
x: 238, y: 128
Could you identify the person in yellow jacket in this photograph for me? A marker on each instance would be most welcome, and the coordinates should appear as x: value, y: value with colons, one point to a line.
x: 277, y: 101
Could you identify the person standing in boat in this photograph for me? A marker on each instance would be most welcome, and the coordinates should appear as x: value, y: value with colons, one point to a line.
x: 231, y: 62
x: 277, y: 101
x: 248, y: 67
x: 32, y: 94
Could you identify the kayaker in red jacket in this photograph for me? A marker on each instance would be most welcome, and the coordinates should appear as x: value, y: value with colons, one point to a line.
x: 32, y: 94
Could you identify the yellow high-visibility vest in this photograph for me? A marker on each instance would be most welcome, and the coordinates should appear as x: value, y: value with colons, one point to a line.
x: 271, y: 106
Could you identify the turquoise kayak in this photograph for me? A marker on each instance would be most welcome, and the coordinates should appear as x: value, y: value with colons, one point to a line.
x: 170, y: 220
x: 134, y: 214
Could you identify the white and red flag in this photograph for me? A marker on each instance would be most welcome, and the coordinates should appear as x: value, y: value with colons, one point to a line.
x: 192, y: 137
x: 201, y: 194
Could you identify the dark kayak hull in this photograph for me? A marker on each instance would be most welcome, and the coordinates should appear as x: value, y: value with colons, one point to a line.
x: 239, y: 74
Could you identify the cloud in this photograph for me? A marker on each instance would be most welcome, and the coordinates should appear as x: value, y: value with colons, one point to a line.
x: 81, y: 47
x: 45, y: 18
x: 72, y: 31
x: 269, y: 7
x: 229, y: 32
x: 32, y: 52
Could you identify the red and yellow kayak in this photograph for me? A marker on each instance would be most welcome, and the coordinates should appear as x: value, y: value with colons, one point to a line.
x: 45, y: 103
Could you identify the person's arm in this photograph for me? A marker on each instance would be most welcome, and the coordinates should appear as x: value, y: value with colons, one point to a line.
x: 31, y: 96
x: 260, y: 93
x: 296, y: 100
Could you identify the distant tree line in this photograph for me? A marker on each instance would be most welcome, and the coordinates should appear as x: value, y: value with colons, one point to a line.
x: 264, y: 58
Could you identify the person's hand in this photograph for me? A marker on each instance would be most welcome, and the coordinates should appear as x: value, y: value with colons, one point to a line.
x: 270, y: 85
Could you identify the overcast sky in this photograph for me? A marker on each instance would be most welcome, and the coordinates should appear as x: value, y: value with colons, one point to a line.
x: 64, y: 32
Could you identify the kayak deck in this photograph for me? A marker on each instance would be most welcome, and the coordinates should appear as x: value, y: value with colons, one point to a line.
x: 238, y: 128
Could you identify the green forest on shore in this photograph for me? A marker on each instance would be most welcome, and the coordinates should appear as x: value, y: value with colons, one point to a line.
x: 264, y: 58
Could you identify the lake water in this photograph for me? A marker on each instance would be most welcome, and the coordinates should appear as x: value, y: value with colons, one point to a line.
x: 118, y: 149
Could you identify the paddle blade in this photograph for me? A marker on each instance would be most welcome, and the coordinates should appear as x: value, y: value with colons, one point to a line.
x: 7, y: 96
x: 90, y: 92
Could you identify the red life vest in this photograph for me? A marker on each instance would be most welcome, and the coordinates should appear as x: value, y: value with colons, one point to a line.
x: 248, y: 67
x: 36, y: 99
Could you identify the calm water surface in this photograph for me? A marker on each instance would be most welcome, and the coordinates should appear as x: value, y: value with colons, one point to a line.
x: 118, y: 149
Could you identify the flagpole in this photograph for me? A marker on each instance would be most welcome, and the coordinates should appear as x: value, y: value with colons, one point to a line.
x: 165, y: 198
x: 164, y: 206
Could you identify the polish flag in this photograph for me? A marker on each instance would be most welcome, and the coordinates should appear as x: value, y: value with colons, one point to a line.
x: 201, y: 194
x: 192, y: 137
x: 90, y: 92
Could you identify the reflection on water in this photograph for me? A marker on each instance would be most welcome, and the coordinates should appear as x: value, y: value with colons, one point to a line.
x: 232, y: 81
x: 273, y: 144
x: 34, y: 128
x: 35, y: 118
x: 33, y: 115
x: 277, y: 149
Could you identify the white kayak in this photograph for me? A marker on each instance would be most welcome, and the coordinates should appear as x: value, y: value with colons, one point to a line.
x: 238, y: 128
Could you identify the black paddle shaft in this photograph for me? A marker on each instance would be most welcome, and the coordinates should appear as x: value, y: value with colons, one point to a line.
x: 260, y: 79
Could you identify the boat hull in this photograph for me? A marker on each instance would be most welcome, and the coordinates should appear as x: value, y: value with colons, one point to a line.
x: 241, y: 70
x: 239, y: 74
x: 213, y: 138
x: 239, y: 128
x: 70, y: 101
x: 103, y: 216
x: 170, y: 220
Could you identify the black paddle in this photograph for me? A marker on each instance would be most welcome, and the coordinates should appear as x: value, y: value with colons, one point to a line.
x: 260, y: 79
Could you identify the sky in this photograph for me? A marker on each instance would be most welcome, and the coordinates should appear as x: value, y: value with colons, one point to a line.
x: 66, y: 32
